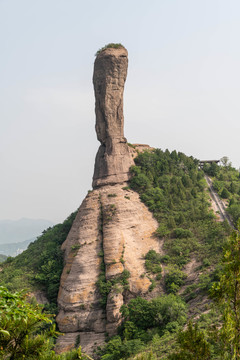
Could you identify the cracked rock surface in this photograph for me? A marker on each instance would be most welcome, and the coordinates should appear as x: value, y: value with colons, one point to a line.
x: 113, y: 229
x: 113, y: 158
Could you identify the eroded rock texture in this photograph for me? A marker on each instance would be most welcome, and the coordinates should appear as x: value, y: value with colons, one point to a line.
x: 111, y: 233
x: 113, y: 158
x: 113, y: 229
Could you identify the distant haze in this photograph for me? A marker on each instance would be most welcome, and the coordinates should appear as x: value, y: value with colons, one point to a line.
x: 182, y: 90
x: 21, y: 230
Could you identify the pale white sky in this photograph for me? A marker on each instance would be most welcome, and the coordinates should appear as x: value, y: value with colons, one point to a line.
x: 182, y: 90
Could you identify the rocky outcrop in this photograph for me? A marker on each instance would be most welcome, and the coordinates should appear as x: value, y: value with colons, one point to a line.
x: 113, y: 158
x: 110, y: 235
x: 113, y: 229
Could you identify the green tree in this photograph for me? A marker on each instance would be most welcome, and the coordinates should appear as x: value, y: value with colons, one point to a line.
x: 140, y: 181
x: 225, y: 161
x: 225, y: 193
x: 159, y: 312
x: 117, y: 349
x: 174, y: 279
x: 227, y: 294
x: 26, y: 333
x: 233, y: 188
x: 213, y: 169
x: 193, y: 345
x: 20, y: 324
x: 234, y: 211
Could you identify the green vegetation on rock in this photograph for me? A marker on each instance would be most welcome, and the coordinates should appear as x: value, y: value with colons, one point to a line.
x: 118, y: 283
x: 153, y: 262
x: 111, y: 45
x: 174, y: 279
x: 145, y: 321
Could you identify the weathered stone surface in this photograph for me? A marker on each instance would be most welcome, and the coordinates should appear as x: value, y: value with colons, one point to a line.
x: 90, y: 341
x: 40, y: 297
x: 115, y: 222
x: 78, y: 298
x: 113, y: 229
x: 113, y: 158
x: 114, y: 303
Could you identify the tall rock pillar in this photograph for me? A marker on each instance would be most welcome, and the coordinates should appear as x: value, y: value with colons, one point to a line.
x: 112, y: 230
x: 113, y: 158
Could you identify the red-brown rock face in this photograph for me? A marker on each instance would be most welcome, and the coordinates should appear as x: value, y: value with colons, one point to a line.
x: 113, y: 158
x: 113, y: 229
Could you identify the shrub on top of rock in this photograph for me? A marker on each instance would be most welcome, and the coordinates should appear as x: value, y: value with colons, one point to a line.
x: 111, y: 45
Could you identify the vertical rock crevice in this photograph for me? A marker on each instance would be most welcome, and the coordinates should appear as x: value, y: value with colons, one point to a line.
x: 80, y: 312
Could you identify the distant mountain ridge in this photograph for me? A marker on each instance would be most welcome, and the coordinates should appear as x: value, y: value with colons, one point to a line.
x: 15, y: 231
x: 14, y: 249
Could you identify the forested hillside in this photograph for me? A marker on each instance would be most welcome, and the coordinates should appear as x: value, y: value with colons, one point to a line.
x: 40, y: 266
x: 226, y: 181
x: 196, y: 313
x: 174, y: 189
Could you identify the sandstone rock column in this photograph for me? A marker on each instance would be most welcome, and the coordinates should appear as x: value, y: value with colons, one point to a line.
x: 112, y: 230
x: 113, y: 158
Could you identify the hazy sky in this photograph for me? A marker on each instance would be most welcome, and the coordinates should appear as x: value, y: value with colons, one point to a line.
x: 182, y: 90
